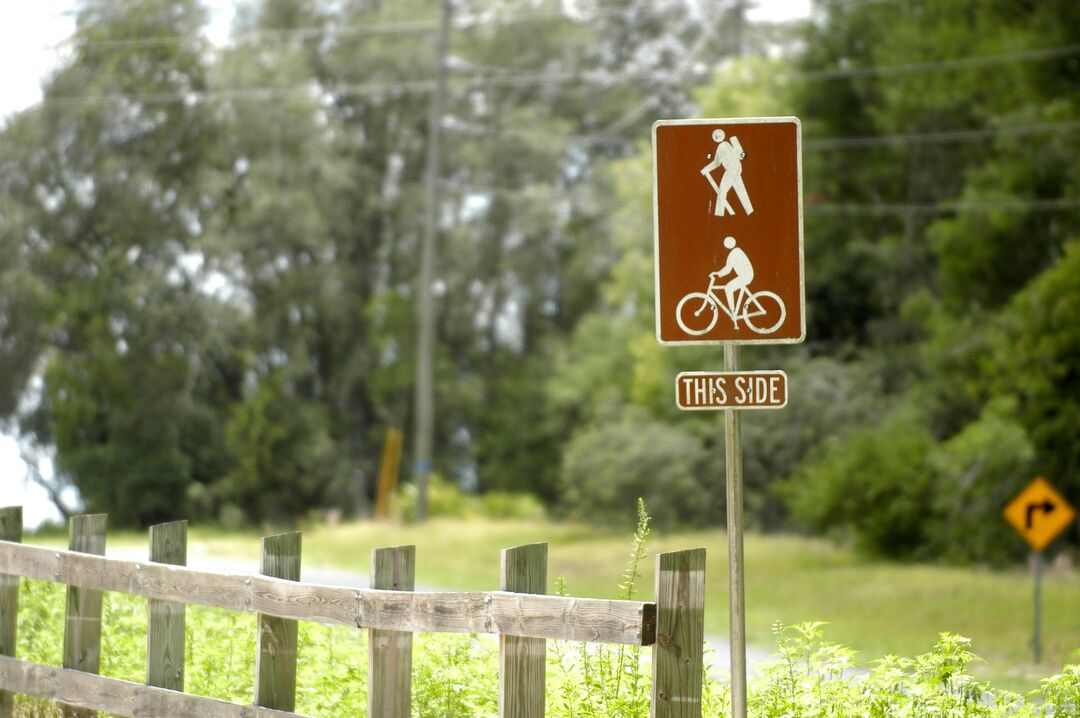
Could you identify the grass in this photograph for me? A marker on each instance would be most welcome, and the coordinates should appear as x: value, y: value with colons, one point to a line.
x: 877, y: 608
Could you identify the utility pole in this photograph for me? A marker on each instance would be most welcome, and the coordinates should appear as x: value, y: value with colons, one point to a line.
x: 425, y: 380
x: 738, y: 27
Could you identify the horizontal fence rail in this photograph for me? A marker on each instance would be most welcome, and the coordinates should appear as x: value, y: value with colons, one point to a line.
x: 92, y: 692
x: 521, y: 614
x: 499, y: 612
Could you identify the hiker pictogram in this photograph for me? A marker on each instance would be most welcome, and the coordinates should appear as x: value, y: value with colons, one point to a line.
x: 729, y: 156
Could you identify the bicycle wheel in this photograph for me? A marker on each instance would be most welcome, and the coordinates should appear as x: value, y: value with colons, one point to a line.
x: 764, y: 312
x: 694, y: 318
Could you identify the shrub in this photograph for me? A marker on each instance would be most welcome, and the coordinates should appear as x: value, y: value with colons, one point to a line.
x: 814, y: 677
x: 447, y: 500
x: 877, y: 485
x: 637, y: 456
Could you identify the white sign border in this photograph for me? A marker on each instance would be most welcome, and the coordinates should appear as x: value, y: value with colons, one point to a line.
x: 656, y: 228
x: 769, y: 372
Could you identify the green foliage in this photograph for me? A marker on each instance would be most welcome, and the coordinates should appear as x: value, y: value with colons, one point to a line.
x: 636, y: 455
x: 456, y: 675
x: 977, y: 471
x: 283, y: 461
x: 598, y: 681
x: 877, y: 483
x: 1036, y: 350
x: 447, y: 500
x: 966, y: 315
x: 904, y: 495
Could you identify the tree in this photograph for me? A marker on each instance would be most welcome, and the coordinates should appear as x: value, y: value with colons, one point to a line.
x: 107, y: 199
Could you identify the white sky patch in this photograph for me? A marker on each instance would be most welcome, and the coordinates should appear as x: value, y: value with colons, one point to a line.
x: 220, y: 25
x: 29, y: 32
x: 15, y: 490
x: 777, y: 10
x: 32, y: 35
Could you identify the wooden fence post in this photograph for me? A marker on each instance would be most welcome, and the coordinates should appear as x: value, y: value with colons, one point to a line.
x: 390, y: 652
x: 275, y: 662
x: 680, y: 634
x: 165, y: 619
x: 82, y: 626
x: 10, y: 530
x: 522, y: 661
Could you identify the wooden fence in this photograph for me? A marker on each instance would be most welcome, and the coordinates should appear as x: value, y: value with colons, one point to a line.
x: 521, y: 614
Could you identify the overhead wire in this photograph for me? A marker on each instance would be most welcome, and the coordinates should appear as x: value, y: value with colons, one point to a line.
x: 525, y: 79
x: 1009, y: 205
x: 824, y: 144
x: 1026, y: 55
x: 944, y: 137
x: 389, y: 27
x: 399, y: 87
x: 866, y: 208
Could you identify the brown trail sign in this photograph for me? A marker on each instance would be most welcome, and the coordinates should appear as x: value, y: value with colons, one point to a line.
x: 727, y: 204
x: 727, y: 214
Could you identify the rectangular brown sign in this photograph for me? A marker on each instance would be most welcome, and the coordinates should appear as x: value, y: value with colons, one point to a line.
x: 727, y: 202
x: 703, y: 390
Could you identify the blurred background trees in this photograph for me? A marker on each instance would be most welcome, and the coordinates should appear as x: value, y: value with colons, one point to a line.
x: 207, y: 298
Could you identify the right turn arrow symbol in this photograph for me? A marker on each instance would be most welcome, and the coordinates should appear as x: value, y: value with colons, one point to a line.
x: 1046, y: 505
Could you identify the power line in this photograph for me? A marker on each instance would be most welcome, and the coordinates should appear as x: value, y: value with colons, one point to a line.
x: 820, y: 145
x: 391, y: 88
x: 946, y: 137
x: 1029, y: 55
x: 423, y: 26
x: 525, y: 79
x: 1010, y: 205
x: 1032, y: 205
x: 254, y: 94
x: 602, y: 78
x: 399, y: 87
x: 399, y: 27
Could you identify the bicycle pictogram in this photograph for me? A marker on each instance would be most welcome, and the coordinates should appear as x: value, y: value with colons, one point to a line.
x: 762, y: 311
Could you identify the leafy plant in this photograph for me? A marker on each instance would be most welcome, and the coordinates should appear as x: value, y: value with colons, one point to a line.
x: 456, y: 675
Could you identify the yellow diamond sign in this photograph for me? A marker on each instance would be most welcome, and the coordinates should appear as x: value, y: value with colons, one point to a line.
x: 1039, y: 513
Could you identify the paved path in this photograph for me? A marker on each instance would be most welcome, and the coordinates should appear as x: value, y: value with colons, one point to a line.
x: 719, y: 660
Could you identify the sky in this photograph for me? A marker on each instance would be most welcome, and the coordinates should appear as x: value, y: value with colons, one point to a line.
x: 32, y: 33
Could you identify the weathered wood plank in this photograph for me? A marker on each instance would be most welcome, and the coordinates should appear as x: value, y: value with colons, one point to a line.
x: 390, y: 652
x: 82, y: 626
x: 11, y: 525
x: 165, y: 619
x: 680, y: 634
x: 554, y: 617
x: 91, y: 692
x: 275, y: 663
x: 522, y: 660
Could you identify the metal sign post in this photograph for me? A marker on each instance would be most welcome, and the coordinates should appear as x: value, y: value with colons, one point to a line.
x: 1036, y: 633
x: 1039, y: 514
x: 736, y: 572
x: 727, y: 209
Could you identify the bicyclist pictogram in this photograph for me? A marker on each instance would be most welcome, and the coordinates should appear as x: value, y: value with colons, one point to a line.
x: 762, y: 311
